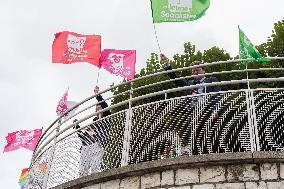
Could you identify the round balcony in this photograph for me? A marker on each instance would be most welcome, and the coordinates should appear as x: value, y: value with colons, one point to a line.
x: 167, y: 126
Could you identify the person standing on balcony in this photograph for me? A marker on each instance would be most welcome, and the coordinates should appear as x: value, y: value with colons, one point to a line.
x: 99, y: 124
x: 89, y: 149
x: 94, y: 140
x: 102, y: 105
x: 198, y: 75
x: 198, y: 78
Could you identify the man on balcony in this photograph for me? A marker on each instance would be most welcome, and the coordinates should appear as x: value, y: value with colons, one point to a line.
x: 198, y: 75
x: 193, y: 134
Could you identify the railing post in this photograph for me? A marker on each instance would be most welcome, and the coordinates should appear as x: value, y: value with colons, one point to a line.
x: 50, y: 158
x: 254, y: 138
x: 257, y: 147
x: 127, y: 131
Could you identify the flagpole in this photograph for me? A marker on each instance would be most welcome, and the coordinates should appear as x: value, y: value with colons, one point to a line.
x: 247, y: 76
x: 157, y: 40
x: 98, y: 76
x: 155, y: 31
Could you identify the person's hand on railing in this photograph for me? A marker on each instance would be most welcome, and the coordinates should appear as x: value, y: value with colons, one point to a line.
x: 96, y: 90
x: 215, y: 115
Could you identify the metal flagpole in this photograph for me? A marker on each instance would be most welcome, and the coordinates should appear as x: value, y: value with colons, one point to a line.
x: 157, y: 40
x: 127, y: 131
x: 252, y: 116
x: 98, y: 76
x: 247, y: 76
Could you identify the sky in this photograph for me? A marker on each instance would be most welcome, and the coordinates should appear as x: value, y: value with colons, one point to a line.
x: 31, y: 86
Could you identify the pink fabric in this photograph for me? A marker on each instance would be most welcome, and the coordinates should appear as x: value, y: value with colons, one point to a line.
x: 62, y: 106
x: 119, y: 62
x: 69, y: 47
x: 22, y: 138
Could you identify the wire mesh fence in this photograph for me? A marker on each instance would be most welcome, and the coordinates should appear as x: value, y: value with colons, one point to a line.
x: 159, y: 125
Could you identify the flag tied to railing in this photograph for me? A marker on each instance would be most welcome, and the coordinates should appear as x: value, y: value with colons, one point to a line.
x: 178, y: 10
x: 70, y: 47
x: 22, y: 138
x: 119, y: 62
x: 23, y: 178
x: 71, y: 104
x: 64, y: 105
x: 247, y: 49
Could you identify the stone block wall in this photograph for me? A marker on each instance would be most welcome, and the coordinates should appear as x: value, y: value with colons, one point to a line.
x: 243, y: 176
x: 234, y: 171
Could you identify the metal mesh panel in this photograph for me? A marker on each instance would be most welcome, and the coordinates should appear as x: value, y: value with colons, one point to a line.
x: 113, y: 148
x: 71, y: 159
x: 190, y: 126
x: 269, y: 107
x: 65, y: 161
x: 38, y: 170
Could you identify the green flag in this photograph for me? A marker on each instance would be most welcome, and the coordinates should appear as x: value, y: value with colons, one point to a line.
x: 247, y: 49
x: 178, y: 10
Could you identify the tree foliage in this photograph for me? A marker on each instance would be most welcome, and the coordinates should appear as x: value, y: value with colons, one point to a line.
x: 273, y: 47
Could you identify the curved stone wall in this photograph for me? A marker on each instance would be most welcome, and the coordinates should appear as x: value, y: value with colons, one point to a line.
x: 244, y: 170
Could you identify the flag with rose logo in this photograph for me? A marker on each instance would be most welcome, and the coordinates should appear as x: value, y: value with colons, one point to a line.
x: 69, y: 47
x: 23, y: 138
x: 63, y: 106
x: 119, y: 62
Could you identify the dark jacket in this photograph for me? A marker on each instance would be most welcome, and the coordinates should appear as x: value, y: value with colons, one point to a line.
x: 103, y: 105
x: 85, y: 137
x: 101, y: 127
x: 99, y: 130
x: 187, y: 82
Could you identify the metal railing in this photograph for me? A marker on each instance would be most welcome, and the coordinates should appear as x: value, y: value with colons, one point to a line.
x: 158, y: 120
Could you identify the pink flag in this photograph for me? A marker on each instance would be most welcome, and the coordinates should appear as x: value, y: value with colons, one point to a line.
x: 22, y: 138
x: 62, y: 106
x: 70, y: 47
x: 119, y: 62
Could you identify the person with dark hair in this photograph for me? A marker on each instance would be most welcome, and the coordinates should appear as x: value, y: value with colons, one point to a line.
x: 99, y: 125
x: 195, y: 132
x: 102, y: 105
x: 198, y: 78
x: 94, y: 139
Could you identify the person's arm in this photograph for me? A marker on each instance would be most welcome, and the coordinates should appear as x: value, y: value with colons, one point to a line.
x: 216, y: 88
x: 99, y: 99
x: 216, y: 98
x: 172, y: 75
x: 103, y: 104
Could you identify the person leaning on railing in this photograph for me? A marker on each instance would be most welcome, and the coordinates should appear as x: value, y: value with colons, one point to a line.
x: 94, y: 139
x: 101, y: 105
x: 90, y: 148
x: 198, y: 78
x: 101, y: 127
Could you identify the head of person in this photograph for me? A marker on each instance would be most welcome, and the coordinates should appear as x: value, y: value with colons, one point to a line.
x: 163, y: 58
x: 75, y: 126
x: 96, y: 89
x: 197, y: 71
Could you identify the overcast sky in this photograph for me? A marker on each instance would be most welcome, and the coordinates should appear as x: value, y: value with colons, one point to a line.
x: 31, y: 86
